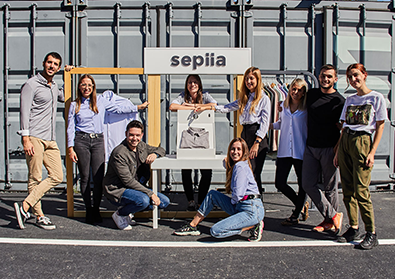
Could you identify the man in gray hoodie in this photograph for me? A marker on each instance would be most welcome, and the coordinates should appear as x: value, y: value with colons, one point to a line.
x: 39, y: 98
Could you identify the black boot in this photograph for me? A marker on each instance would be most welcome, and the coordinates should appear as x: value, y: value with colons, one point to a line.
x: 89, y: 219
x: 96, y: 215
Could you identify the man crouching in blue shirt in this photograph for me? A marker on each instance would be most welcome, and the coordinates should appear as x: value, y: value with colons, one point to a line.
x: 127, y: 173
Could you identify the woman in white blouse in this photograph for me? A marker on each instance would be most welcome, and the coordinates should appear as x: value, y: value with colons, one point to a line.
x: 293, y: 125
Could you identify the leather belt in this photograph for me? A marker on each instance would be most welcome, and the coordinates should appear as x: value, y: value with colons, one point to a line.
x: 91, y: 135
x: 251, y: 197
x: 355, y: 133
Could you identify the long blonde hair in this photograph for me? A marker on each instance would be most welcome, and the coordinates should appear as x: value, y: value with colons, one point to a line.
x: 230, y: 163
x: 243, y: 97
x: 288, y: 100
x: 92, y: 98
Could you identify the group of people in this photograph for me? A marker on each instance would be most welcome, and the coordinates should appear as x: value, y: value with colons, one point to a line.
x: 320, y: 132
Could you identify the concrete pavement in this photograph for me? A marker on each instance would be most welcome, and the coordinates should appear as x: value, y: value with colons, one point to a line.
x: 78, y: 250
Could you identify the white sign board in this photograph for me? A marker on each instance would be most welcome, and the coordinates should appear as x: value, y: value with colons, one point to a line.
x: 219, y: 61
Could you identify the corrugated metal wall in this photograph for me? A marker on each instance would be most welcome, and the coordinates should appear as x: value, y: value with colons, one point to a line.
x: 293, y: 36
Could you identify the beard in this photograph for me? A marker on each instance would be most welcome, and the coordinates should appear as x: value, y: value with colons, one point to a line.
x: 329, y: 86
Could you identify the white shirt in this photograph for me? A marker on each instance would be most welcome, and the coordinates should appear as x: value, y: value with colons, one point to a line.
x: 293, y: 134
x: 378, y: 111
x: 206, y: 98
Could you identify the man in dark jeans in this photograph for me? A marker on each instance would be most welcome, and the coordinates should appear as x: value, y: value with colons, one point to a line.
x: 324, y: 106
x: 127, y: 173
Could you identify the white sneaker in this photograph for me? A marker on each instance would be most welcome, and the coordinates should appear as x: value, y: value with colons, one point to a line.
x: 21, y: 215
x: 122, y: 222
x: 44, y: 223
x: 131, y: 221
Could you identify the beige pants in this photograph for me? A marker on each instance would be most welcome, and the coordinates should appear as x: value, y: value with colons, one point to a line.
x: 46, y: 153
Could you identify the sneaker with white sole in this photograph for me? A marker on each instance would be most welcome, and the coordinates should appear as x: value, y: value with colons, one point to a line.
x: 256, y: 232
x: 44, y: 223
x: 368, y: 242
x: 21, y: 215
x: 131, y: 221
x: 122, y: 222
x: 187, y: 229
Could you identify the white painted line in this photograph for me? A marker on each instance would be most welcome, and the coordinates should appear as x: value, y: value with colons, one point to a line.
x: 181, y: 244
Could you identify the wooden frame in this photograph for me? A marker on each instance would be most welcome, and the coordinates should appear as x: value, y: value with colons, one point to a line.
x: 153, y: 125
x: 237, y: 84
x: 153, y: 116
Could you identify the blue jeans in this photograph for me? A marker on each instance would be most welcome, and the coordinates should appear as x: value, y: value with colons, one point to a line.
x: 133, y: 201
x: 243, y: 214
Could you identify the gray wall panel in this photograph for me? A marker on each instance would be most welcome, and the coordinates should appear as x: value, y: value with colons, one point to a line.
x: 372, y: 46
x: 28, y: 43
x: 96, y: 42
x: 2, y: 102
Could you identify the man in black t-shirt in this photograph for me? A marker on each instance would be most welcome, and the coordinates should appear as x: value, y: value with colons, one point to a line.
x: 324, y: 106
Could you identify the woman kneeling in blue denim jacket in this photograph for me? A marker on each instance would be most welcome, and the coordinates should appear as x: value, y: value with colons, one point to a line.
x: 244, y: 206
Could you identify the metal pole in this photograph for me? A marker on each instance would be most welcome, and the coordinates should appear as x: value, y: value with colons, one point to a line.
x: 7, y: 17
x: 198, y: 21
x: 74, y: 60
x: 312, y: 45
x: 294, y: 73
x: 392, y: 130
x: 147, y: 19
x: 170, y: 21
x: 363, y: 23
x: 33, y: 38
x: 241, y: 12
x: 336, y: 17
x: 169, y: 173
x: 284, y: 22
x: 118, y: 13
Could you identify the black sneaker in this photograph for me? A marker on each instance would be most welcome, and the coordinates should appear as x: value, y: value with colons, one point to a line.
x: 89, y: 216
x: 291, y: 221
x: 350, y: 235
x: 369, y: 241
x: 187, y: 229
x: 21, y: 215
x: 192, y: 206
x: 256, y: 232
x: 44, y: 223
x: 96, y: 215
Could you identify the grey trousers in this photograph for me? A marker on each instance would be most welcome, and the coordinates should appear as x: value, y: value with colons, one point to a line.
x: 317, y: 164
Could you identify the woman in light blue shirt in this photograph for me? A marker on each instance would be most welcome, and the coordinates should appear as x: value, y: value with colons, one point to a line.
x: 193, y: 98
x: 293, y: 126
x: 244, y: 205
x: 85, y: 140
x: 254, y: 114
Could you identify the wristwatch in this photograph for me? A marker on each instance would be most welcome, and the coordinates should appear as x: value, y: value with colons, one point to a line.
x: 257, y: 141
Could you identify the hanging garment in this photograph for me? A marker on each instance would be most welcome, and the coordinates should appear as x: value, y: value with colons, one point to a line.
x: 115, y: 124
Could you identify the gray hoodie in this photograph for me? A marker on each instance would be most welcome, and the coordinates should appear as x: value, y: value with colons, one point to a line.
x: 38, y: 108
